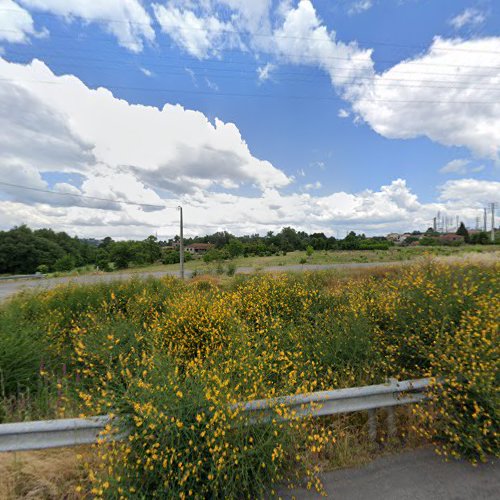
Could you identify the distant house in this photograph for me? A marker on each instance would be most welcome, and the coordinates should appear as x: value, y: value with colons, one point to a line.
x: 393, y: 236
x: 198, y: 248
x: 451, y: 238
x: 398, y: 238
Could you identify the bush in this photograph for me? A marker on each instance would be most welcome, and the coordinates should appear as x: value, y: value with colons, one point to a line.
x: 65, y: 263
x: 428, y: 241
x: 464, y: 412
x: 309, y: 250
x: 215, y: 255
x: 231, y: 269
x: 172, y: 359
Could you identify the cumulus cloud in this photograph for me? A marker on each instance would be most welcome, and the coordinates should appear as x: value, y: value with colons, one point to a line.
x: 468, y: 192
x: 459, y: 107
x: 450, y: 93
x: 16, y: 23
x: 127, y: 20
x: 393, y: 207
x: 469, y: 17
x: 65, y: 126
x: 304, y: 39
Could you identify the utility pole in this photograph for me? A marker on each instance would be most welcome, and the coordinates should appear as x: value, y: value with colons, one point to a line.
x: 181, y: 242
x: 493, y: 206
x: 485, y: 217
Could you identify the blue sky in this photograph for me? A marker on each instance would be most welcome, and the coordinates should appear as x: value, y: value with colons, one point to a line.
x: 305, y: 110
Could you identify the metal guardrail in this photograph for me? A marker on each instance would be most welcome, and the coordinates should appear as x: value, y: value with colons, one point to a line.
x: 77, y: 431
x: 23, y: 276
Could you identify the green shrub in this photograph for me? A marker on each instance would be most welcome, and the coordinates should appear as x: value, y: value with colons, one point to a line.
x: 65, y: 263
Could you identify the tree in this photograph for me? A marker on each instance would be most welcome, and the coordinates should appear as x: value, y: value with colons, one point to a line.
x: 481, y: 238
x: 235, y: 248
x: 102, y: 259
x: 152, y: 249
x: 462, y: 231
x: 122, y: 253
x: 65, y: 263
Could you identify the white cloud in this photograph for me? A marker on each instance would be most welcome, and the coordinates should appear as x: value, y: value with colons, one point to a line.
x: 201, y: 36
x: 479, y: 168
x: 192, y: 74
x: 359, y: 6
x: 458, y: 166
x: 303, y: 39
x: 211, y: 85
x: 409, y: 100
x: 146, y: 72
x: 16, y: 23
x: 469, y: 192
x: 205, y: 28
x: 312, y: 185
x: 449, y: 94
x: 54, y: 128
x: 469, y: 17
x: 343, y: 113
x: 127, y: 20
x: 264, y: 72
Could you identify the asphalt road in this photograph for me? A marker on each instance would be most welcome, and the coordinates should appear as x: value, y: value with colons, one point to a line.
x: 8, y: 288
x: 413, y: 475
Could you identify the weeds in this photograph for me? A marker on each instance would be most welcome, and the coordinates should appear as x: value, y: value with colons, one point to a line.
x: 172, y: 359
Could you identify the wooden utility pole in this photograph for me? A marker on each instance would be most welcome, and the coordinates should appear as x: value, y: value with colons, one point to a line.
x: 493, y: 207
x: 181, y: 242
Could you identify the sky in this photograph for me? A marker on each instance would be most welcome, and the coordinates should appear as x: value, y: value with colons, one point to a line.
x: 328, y: 116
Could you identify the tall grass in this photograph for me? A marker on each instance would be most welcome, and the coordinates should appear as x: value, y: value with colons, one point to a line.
x: 172, y: 359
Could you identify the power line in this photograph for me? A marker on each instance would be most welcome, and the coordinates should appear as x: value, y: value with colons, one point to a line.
x: 238, y: 94
x: 95, y: 198
x: 311, y: 59
x: 422, y: 82
x: 252, y: 33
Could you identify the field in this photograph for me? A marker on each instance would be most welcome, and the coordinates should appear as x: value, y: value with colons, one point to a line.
x: 255, y: 263
x: 169, y: 358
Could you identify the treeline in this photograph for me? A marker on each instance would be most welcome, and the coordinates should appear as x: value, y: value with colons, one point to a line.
x: 24, y: 251
x: 288, y: 239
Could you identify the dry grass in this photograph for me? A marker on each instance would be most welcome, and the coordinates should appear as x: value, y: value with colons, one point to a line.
x: 55, y: 474
x: 42, y: 475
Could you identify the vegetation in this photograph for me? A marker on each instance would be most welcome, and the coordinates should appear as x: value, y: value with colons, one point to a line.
x: 25, y: 251
x: 173, y: 359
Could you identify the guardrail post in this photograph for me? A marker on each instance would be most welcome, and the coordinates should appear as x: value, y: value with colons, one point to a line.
x: 391, y: 423
x: 372, y: 425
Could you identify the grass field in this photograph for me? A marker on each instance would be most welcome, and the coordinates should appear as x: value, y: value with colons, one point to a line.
x: 169, y: 356
x: 393, y: 254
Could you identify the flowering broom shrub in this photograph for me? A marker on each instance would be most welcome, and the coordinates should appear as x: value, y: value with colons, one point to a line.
x: 172, y: 361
